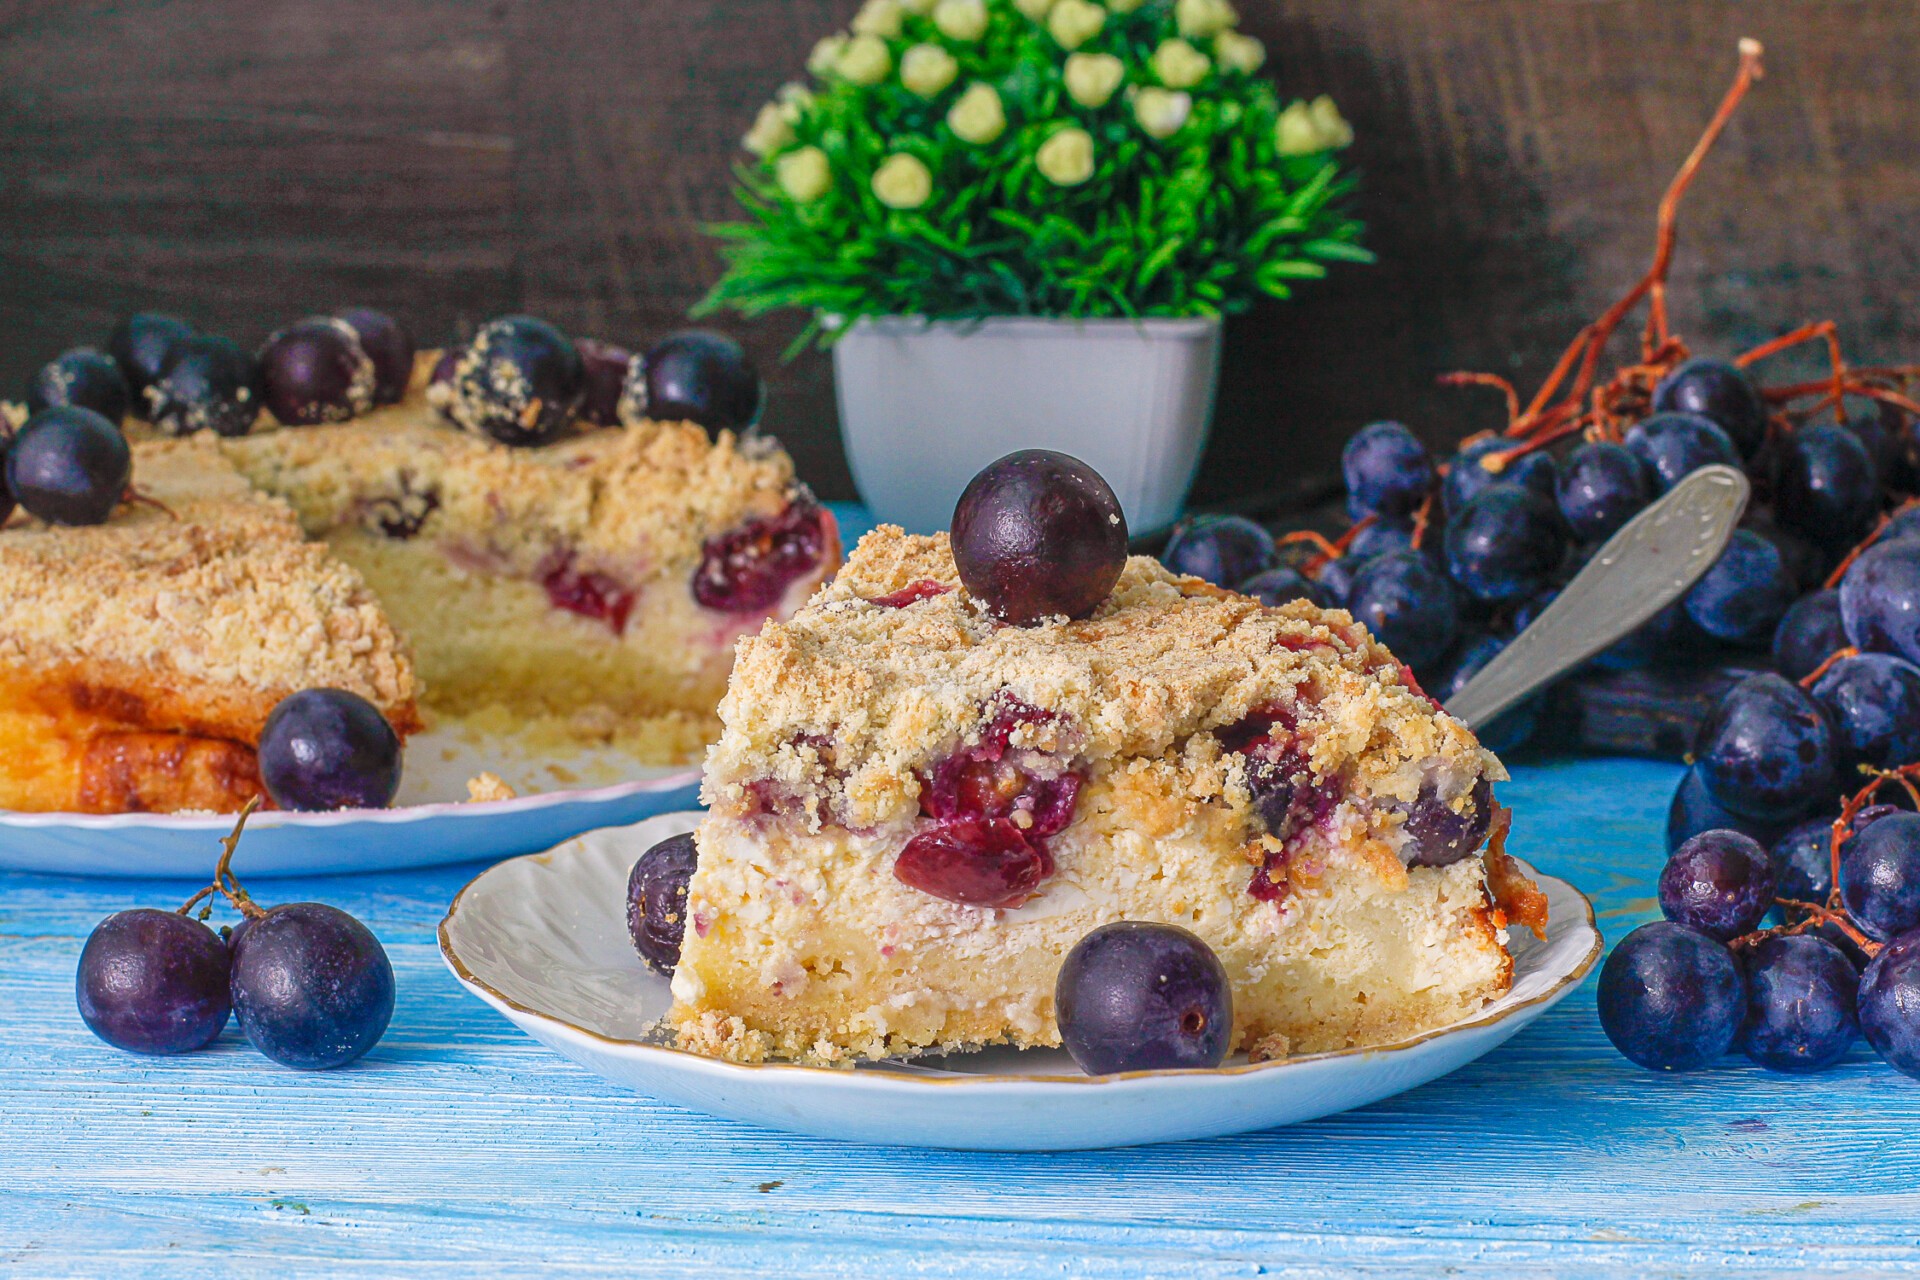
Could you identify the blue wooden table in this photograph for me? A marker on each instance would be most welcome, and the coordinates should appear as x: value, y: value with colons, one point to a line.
x: 459, y: 1146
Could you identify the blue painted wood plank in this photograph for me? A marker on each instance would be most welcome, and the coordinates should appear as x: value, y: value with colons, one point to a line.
x: 460, y: 1145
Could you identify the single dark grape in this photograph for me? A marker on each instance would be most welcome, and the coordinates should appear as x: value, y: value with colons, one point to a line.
x: 1766, y: 751
x: 1803, y: 862
x: 1873, y: 703
x: 1903, y: 523
x: 1880, y: 599
x: 1407, y: 604
x: 69, y: 465
x: 144, y: 345
x: 1809, y: 633
x: 1602, y: 486
x: 1383, y: 536
x: 1674, y: 445
x: 84, y: 377
x: 695, y: 376
x: 1505, y: 544
x: 606, y: 368
x: 1439, y: 835
x: 657, y: 901
x: 1879, y: 429
x: 1745, y: 593
x: 1889, y: 1004
x: 1671, y: 998
x: 1336, y: 578
x: 1283, y: 585
x: 1135, y: 996
x: 1692, y: 810
x: 520, y: 381
x: 1506, y: 731
x: 1880, y: 876
x: 1224, y: 550
x: 1719, y: 882
x: 390, y: 347
x: 1824, y: 485
x: 314, y: 371
x: 1719, y: 391
x: 212, y: 385
x: 1801, y: 996
x: 1039, y: 534
x: 329, y: 749
x: 1467, y: 475
x: 312, y: 986
x: 1387, y: 470
x: 153, y: 982
x: 1807, y: 562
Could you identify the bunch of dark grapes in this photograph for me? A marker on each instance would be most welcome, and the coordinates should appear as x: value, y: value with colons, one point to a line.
x: 310, y: 985
x: 1796, y: 996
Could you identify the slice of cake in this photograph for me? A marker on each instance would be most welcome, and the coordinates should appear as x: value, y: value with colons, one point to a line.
x: 139, y: 658
x: 916, y: 813
x: 594, y: 586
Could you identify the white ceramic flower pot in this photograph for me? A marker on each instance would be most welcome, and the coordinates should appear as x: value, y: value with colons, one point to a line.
x: 925, y: 405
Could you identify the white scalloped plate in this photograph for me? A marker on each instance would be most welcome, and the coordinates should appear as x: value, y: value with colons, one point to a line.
x: 543, y: 939
x: 430, y: 825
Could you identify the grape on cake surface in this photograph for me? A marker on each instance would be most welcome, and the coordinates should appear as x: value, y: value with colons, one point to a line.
x: 917, y: 813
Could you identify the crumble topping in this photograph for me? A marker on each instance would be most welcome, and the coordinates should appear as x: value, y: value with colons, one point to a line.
x: 845, y: 708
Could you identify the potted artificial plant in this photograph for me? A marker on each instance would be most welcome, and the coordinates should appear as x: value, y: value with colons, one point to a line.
x: 1018, y: 223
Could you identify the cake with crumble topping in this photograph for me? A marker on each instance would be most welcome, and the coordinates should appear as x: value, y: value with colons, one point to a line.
x: 593, y: 587
x: 916, y: 812
x: 587, y: 591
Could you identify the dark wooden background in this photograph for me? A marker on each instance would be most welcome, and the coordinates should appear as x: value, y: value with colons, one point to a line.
x: 246, y: 161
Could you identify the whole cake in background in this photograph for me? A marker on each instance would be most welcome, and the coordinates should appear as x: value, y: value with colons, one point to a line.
x: 523, y: 533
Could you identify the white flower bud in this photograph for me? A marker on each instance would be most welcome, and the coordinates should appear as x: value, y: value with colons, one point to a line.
x: 1034, y: 9
x: 1066, y: 159
x: 826, y: 52
x: 1179, y: 65
x: 1161, y: 112
x: 770, y: 132
x: 977, y: 116
x: 1332, y: 127
x: 878, y: 18
x: 803, y: 174
x: 865, y: 60
x: 902, y: 182
x: 794, y: 99
x: 926, y: 69
x: 1294, y: 133
x: 1074, y: 22
x: 1239, y: 53
x: 1092, y: 77
x: 1198, y: 19
x: 961, y: 19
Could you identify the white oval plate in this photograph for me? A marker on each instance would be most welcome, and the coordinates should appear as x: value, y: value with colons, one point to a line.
x: 430, y: 824
x: 543, y: 939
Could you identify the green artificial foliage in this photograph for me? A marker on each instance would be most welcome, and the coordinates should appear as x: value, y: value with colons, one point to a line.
x: 1188, y: 191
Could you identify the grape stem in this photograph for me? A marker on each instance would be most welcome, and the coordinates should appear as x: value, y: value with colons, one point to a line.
x: 134, y: 497
x: 224, y: 880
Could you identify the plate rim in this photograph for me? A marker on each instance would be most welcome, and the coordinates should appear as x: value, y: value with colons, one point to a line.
x: 726, y: 1068
x: 202, y: 821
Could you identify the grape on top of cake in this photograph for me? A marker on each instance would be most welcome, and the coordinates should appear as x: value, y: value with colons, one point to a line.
x: 978, y: 777
x: 553, y: 539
